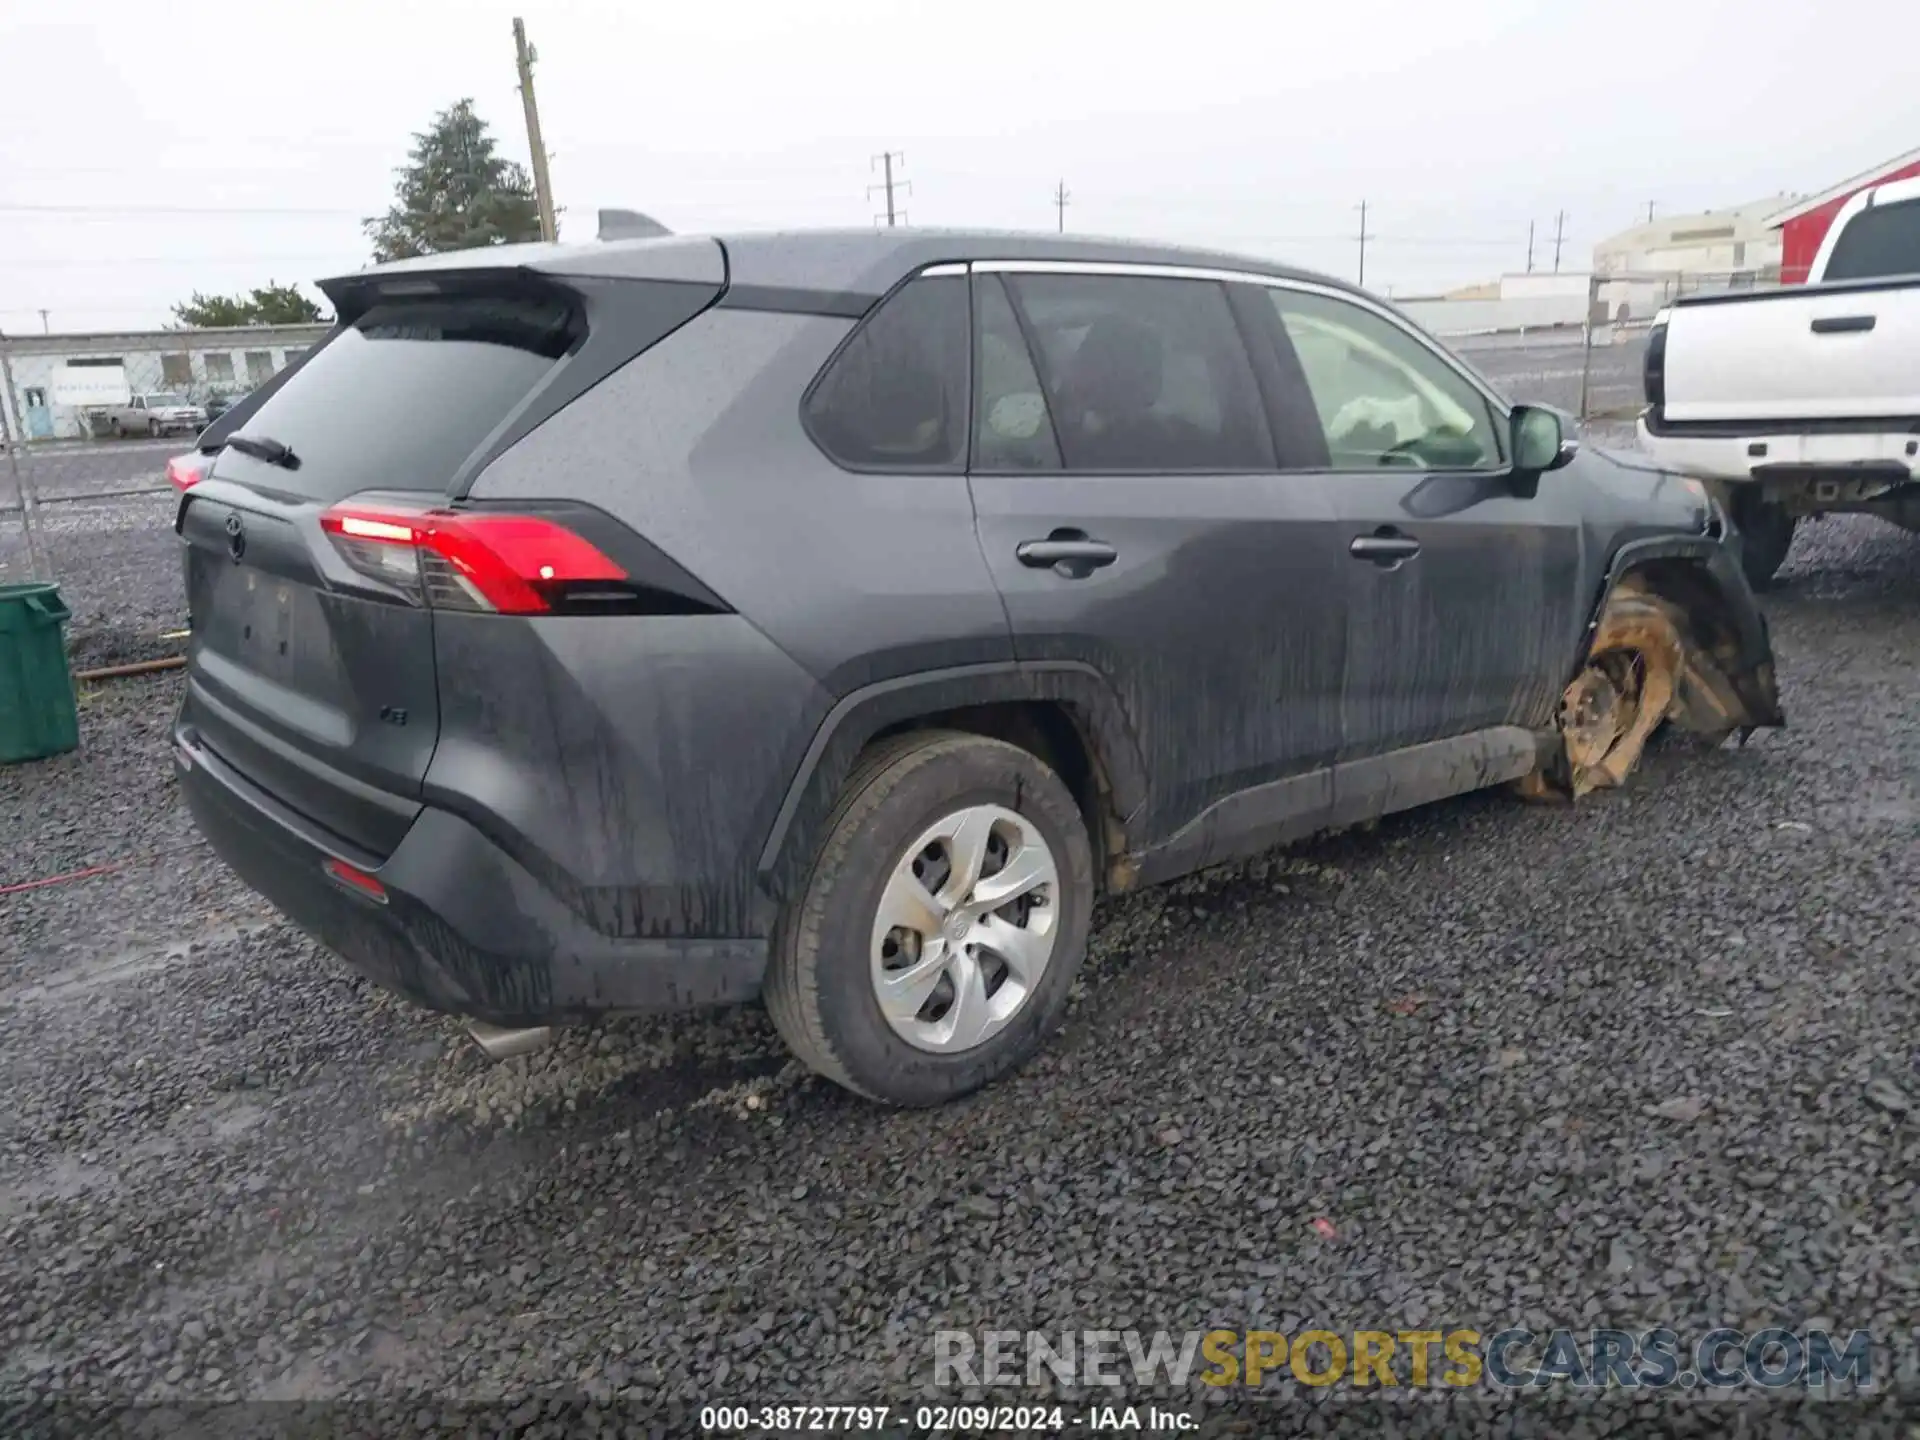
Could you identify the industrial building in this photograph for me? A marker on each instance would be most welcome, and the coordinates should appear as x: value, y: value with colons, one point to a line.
x: 46, y: 380
x: 1740, y: 243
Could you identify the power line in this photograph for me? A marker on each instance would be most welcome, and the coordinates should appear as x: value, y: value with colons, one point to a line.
x: 6, y: 209
x: 1061, y: 197
x: 114, y: 262
x: 890, y: 184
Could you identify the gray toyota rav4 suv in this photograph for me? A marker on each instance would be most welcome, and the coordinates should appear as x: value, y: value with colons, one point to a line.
x: 832, y: 617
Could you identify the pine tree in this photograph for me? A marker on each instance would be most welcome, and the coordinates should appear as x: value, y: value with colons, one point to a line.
x: 455, y: 193
x: 269, y: 304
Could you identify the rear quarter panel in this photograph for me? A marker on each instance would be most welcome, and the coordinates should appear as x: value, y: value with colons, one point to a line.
x: 646, y: 759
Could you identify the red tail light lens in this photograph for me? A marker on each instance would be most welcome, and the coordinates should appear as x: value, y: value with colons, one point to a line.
x: 355, y: 879
x: 467, y: 560
x: 186, y: 471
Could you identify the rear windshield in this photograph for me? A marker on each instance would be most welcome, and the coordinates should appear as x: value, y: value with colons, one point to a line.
x: 401, y: 397
x: 1883, y: 240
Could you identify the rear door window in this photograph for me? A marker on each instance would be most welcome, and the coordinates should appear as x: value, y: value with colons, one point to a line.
x: 1144, y: 374
x: 1883, y: 240
x: 894, y: 396
x: 403, y: 395
x: 1012, y: 429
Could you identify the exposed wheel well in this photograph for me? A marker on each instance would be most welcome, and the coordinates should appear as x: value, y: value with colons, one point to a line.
x: 1051, y: 731
x: 1694, y: 593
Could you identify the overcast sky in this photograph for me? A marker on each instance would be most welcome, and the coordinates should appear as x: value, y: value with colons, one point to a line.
x: 1254, y: 126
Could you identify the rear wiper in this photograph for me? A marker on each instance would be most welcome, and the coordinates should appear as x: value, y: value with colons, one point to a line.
x: 263, y: 448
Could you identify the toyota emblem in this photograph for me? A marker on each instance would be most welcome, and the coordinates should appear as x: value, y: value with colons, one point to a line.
x: 236, y: 535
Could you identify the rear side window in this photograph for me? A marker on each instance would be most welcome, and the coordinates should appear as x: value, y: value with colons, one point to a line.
x: 894, y: 397
x: 1144, y: 373
x: 403, y: 395
x: 1884, y: 240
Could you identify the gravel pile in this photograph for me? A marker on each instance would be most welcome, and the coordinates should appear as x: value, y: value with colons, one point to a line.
x: 1649, y: 1061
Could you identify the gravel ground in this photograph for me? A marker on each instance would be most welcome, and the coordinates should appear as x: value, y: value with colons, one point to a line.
x: 118, y: 566
x: 1648, y: 1061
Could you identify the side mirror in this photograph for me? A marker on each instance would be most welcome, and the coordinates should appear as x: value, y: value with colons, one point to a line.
x: 1540, y: 440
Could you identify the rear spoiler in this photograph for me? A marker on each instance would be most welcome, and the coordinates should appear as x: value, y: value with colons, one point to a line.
x: 484, y: 265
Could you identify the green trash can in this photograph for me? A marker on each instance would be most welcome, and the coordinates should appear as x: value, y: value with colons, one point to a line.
x: 37, y: 714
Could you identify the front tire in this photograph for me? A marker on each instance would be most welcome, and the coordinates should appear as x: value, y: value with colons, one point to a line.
x: 936, y: 939
x: 1766, y: 535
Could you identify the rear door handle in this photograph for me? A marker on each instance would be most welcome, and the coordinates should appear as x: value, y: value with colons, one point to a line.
x: 1070, y: 552
x: 1842, y: 324
x: 1385, y: 548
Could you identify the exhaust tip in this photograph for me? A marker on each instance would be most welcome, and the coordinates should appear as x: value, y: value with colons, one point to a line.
x: 499, y: 1044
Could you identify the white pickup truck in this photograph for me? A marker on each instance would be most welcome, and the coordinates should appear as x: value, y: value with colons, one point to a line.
x: 1802, y: 400
x: 156, y: 415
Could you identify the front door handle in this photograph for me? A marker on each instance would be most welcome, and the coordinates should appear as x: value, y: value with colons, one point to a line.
x: 1842, y: 324
x: 1386, y: 547
x: 1067, y: 552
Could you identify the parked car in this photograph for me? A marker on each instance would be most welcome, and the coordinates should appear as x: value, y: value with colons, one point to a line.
x: 1803, y: 400
x: 160, y: 414
x: 832, y: 617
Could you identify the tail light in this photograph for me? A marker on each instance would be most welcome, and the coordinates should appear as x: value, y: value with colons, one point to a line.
x: 186, y: 471
x: 354, y: 878
x: 1654, y: 372
x: 468, y: 560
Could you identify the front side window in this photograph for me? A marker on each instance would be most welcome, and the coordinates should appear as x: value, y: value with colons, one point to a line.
x: 1382, y: 397
x: 1144, y: 374
x: 894, y: 397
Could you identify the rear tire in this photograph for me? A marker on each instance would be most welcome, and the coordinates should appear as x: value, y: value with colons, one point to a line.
x: 117, y: 430
x: 831, y: 954
x: 1766, y: 535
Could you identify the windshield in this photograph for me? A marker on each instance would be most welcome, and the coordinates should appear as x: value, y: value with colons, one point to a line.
x: 159, y: 401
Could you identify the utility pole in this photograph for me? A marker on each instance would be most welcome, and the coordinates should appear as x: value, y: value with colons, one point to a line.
x: 1529, y: 247
x: 1364, y: 237
x: 1061, y: 195
x: 1559, y: 235
x: 1649, y: 212
x: 43, y: 324
x: 542, y: 186
x: 890, y: 184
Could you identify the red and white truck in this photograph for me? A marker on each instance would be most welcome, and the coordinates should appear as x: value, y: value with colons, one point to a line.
x: 1803, y: 400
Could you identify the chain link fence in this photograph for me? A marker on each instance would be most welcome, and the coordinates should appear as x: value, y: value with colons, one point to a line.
x: 87, y: 425
x: 1573, y: 341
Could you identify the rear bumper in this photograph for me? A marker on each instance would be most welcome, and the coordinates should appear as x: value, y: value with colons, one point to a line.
x: 463, y: 927
x: 1723, y: 452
